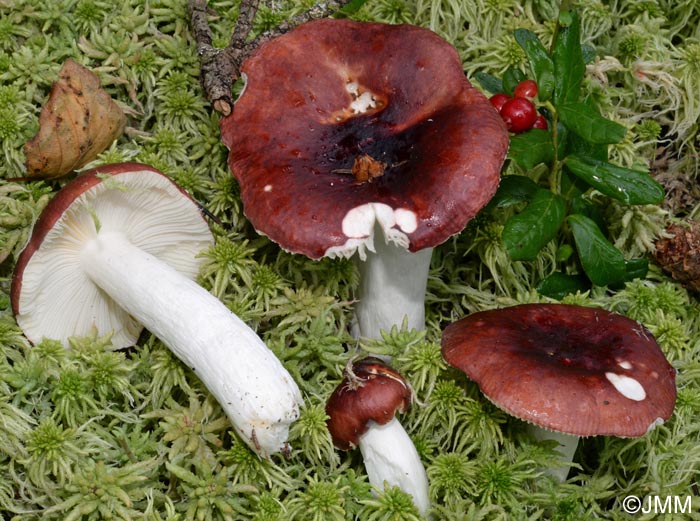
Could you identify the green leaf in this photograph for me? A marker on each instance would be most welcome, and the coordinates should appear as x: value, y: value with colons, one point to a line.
x: 575, y: 144
x: 587, y: 123
x: 582, y: 206
x: 513, y: 189
x: 541, y: 62
x: 489, y: 82
x: 526, y: 233
x: 589, y: 53
x: 558, y: 285
x: 531, y: 148
x: 565, y: 18
x: 602, y: 262
x: 511, y: 78
x: 564, y: 252
x: 569, y: 67
x: 624, y: 184
x: 636, y: 269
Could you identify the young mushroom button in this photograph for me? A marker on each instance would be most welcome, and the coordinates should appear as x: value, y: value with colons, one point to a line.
x: 347, y: 130
x: 575, y: 370
x: 116, y: 250
x: 361, y: 412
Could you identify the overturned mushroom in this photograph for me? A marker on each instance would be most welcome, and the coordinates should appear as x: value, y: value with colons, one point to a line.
x: 362, y: 411
x: 575, y: 370
x: 114, y: 251
x: 347, y: 128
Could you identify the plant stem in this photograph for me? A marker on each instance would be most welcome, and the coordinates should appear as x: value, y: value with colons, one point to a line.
x: 564, y: 6
x: 555, y: 173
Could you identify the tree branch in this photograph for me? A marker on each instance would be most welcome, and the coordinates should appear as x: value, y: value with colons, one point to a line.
x: 322, y: 10
x: 244, y: 24
x: 220, y: 68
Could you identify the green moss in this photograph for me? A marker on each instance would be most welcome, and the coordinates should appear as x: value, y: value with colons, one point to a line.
x: 93, y: 433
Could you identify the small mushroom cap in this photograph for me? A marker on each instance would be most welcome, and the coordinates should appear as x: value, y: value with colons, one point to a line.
x: 571, y: 369
x: 374, y: 391
x: 51, y: 295
x: 335, y: 91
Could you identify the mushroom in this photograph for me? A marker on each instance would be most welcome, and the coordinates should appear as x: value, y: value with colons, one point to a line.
x: 347, y: 128
x: 116, y: 250
x: 574, y: 370
x: 361, y: 412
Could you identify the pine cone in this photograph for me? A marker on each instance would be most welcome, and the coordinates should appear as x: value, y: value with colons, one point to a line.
x: 679, y: 255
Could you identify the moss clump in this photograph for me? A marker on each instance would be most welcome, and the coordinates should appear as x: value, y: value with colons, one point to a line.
x: 94, y: 433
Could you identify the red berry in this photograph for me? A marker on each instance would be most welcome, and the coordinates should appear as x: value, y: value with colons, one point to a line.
x: 519, y: 114
x: 498, y: 100
x: 540, y: 122
x: 526, y: 89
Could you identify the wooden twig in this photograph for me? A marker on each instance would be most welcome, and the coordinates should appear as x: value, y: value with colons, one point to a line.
x: 321, y: 10
x: 220, y: 68
x: 244, y: 23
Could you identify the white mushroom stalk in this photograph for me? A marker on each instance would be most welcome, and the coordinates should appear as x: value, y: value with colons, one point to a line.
x: 116, y: 250
x: 567, y: 448
x: 391, y: 459
x: 393, y: 280
x: 392, y: 289
x: 254, y: 389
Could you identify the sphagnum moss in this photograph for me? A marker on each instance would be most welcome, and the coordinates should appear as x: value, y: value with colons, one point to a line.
x: 91, y: 433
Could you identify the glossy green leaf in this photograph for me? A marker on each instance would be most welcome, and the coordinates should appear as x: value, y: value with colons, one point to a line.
x: 526, y: 233
x: 541, y: 62
x: 583, y: 206
x: 558, y: 285
x: 575, y: 144
x: 624, y: 184
x: 511, y: 78
x: 489, y: 82
x: 602, y: 262
x: 636, y: 269
x: 589, y: 53
x: 531, y: 148
x: 564, y: 252
x: 513, y: 189
x: 569, y: 67
x: 587, y: 123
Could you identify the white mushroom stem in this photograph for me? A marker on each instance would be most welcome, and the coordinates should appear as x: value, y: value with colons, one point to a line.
x: 392, y: 287
x: 257, y: 393
x: 567, y: 448
x: 390, y: 457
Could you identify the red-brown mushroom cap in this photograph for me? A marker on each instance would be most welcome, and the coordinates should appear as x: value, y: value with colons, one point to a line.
x: 52, y: 297
x: 331, y: 92
x: 571, y: 369
x: 374, y: 391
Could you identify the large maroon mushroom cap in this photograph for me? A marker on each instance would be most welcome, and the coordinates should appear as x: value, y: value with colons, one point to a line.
x: 331, y: 94
x: 372, y: 391
x: 571, y: 369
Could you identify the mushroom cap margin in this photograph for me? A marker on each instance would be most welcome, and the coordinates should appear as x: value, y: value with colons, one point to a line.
x: 572, y: 369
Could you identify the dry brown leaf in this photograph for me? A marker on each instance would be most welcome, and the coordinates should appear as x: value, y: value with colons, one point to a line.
x: 78, y: 121
x: 679, y: 254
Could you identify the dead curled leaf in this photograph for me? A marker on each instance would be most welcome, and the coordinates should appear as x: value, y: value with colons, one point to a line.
x: 78, y: 121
